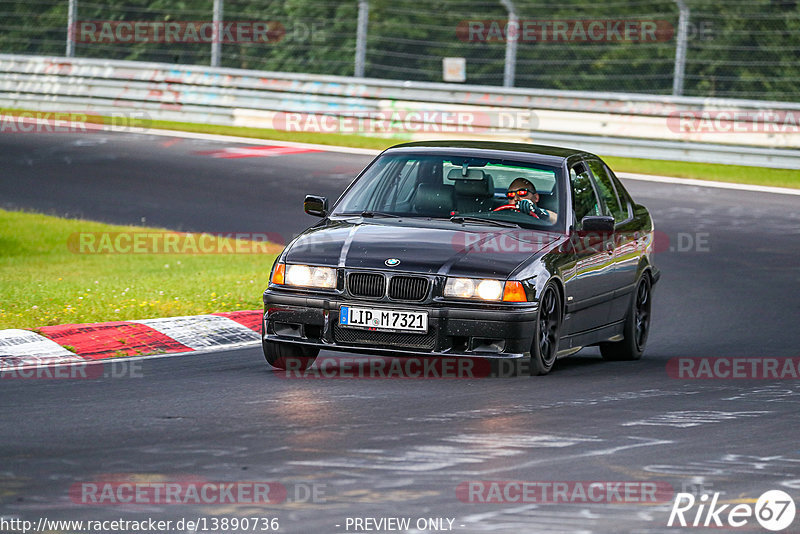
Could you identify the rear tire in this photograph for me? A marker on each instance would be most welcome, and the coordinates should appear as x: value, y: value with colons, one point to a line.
x: 548, y: 331
x: 637, y: 326
x: 289, y: 356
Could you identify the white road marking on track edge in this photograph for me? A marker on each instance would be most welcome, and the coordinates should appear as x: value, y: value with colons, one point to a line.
x: 708, y: 183
x: 254, y: 140
x: 371, y: 152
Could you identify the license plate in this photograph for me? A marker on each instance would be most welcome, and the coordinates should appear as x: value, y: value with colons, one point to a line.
x: 383, y: 319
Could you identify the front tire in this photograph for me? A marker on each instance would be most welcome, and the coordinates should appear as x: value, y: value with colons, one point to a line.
x: 548, y: 331
x: 288, y: 356
x: 637, y: 326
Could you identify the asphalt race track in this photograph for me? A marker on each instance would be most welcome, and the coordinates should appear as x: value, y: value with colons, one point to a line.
x: 401, y: 447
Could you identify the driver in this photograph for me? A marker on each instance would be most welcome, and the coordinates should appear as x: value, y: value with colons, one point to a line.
x: 522, y: 194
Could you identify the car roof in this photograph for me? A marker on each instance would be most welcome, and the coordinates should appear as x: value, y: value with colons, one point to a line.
x: 541, y: 153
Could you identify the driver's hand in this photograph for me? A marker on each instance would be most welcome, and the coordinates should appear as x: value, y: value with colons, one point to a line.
x: 541, y: 213
x: 525, y: 206
x: 529, y: 208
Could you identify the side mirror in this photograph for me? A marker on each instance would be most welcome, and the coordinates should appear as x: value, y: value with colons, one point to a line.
x: 316, y: 206
x: 597, y: 223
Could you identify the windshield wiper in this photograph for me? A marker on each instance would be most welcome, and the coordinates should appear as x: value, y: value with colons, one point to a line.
x: 369, y: 214
x: 463, y: 219
x: 378, y: 214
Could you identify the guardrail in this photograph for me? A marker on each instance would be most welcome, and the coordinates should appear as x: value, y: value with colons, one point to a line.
x: 729, y: 131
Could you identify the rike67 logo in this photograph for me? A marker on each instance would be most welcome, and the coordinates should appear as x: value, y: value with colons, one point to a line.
x: 774, y: 510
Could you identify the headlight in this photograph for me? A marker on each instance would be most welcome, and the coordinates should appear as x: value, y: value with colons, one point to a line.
x: 462, y: 288
x: 468, y: 288
x: 306, y: 276
x: 490, y: 290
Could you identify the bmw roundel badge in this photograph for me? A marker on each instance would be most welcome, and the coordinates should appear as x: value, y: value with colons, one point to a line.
x: 392, y: 262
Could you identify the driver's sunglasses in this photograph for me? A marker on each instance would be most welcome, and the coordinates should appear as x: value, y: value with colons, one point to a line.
x: 518, y: 192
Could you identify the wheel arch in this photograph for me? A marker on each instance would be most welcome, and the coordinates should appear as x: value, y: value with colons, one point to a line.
x: 561, y: 291
x: 562, y: 294
x: 645, y: 268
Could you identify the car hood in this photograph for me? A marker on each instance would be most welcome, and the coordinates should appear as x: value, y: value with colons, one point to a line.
x: 421, y: 247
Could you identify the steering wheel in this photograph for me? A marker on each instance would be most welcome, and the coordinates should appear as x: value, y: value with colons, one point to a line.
x: 513, y: 207
x: 506, y: 207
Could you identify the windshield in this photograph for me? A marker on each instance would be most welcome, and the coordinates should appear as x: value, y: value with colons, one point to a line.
x: 459, y: 187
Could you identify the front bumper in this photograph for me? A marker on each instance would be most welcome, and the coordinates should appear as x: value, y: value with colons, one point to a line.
x: 452, y: 331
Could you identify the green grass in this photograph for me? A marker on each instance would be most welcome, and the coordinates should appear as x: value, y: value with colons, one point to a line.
x: 706, y: 171
x: 680, y: 169
x: 350, y: 140
x: 44, y: 281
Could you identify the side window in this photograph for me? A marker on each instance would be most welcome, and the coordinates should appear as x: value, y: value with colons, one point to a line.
x: 624, y: 197
x: 607, y: 190
x: 584, y: 199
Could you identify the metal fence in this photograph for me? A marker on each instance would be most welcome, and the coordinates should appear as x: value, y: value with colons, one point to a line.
x: 738, y: 48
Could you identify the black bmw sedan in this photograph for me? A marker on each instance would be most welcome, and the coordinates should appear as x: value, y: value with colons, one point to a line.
x: 467, y: 248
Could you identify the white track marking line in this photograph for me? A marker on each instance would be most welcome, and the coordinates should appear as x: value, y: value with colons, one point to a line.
x: 257, y: 140
x: 709, y: 183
